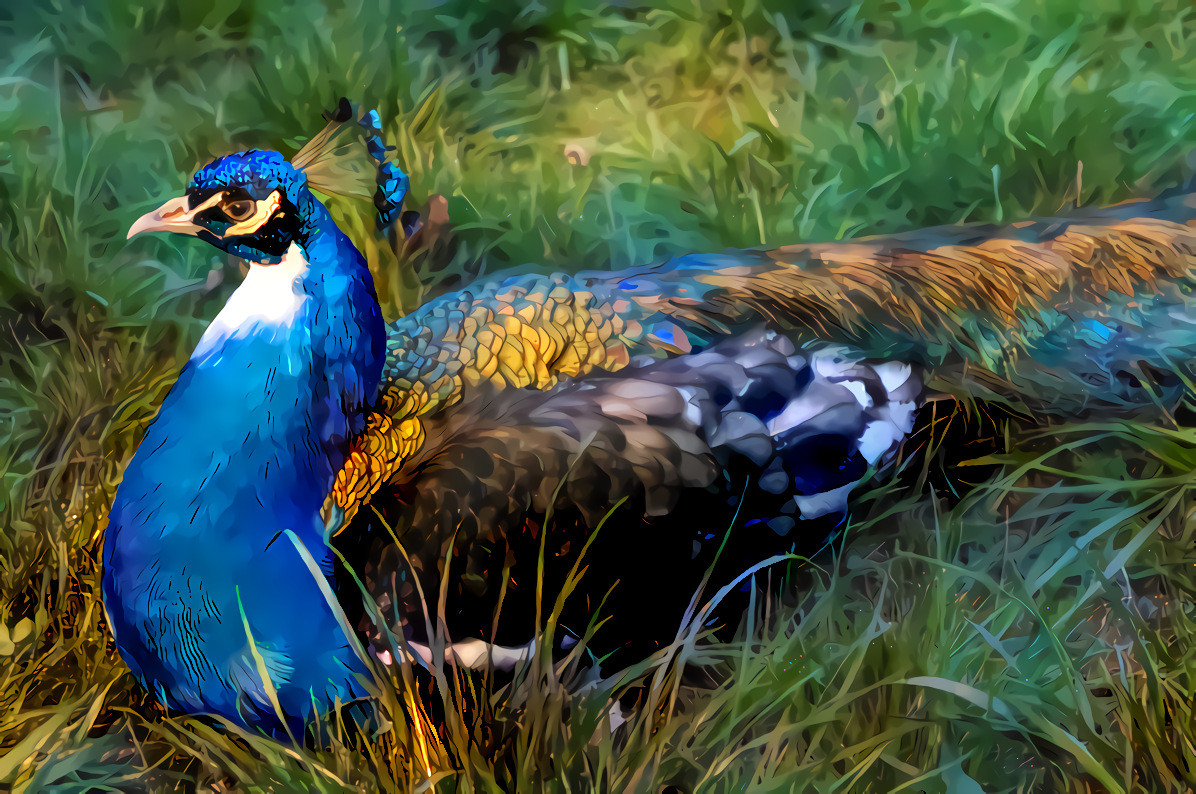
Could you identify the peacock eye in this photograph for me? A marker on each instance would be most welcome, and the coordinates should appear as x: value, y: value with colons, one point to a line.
x: 238, y: 210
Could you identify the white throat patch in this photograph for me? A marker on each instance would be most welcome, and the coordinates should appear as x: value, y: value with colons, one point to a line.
x: 269, y: 296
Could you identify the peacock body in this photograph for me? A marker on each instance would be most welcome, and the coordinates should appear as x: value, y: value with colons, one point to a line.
x: 671, y: 390
x: 217, y: 519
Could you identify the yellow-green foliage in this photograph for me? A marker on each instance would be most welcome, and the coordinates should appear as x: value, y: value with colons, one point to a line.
x: 1036, y: 636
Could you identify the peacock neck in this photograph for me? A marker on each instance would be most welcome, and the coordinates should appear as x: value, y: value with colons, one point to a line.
x: 321, y: 241
x: 253, y: 429
x: 244, y: 451
x: 316, y: 311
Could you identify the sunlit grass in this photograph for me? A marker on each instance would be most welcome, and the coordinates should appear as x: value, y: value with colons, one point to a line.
x: 1036, y: 636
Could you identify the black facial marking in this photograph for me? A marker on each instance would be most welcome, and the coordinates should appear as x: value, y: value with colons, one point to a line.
x: 215, y: 217
x: 239, y: 203
x: 276, y: 235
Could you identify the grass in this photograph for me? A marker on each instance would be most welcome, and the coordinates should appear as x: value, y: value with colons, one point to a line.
x: 1034, y: 636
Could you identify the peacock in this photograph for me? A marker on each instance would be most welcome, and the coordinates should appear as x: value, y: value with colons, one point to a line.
x: 309, y: 450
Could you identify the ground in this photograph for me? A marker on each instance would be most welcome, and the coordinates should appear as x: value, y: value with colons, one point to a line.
x: 1033, y: 635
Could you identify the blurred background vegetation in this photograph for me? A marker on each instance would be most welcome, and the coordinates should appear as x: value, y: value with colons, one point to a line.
x: 1036, y: 635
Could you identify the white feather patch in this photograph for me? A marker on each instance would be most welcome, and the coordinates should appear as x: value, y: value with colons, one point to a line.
x: 269, y: 296
x: 879, y: 438
x: 893, y: 374
x: 475, y: 654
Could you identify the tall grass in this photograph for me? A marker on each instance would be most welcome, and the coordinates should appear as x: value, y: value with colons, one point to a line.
x: 1035, y: 636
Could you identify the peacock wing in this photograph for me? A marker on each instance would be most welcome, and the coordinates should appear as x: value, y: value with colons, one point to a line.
x: 659, y: 437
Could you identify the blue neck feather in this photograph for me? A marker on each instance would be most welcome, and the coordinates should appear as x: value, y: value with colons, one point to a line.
x: 245, y: 447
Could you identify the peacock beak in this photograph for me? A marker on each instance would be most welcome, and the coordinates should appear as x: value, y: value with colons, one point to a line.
x: 175, y: 215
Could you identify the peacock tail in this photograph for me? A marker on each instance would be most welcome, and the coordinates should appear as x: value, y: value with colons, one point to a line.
x: 1060, y: 315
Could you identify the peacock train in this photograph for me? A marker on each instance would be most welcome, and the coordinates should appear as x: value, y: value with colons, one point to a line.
x: 730, y: 397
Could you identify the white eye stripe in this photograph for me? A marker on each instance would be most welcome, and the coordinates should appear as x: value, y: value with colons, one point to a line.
x: 212, y: 201
x: 264, y: 211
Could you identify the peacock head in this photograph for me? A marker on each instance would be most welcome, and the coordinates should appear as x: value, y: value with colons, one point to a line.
x: 256, y: 204
x: 250, y: 204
